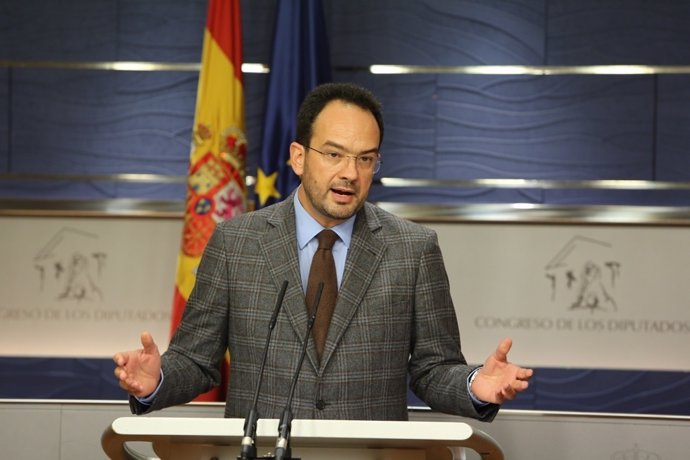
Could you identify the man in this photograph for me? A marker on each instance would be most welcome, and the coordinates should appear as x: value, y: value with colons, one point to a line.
x: 393, y: 317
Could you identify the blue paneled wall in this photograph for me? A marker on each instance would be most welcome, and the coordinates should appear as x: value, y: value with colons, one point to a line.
x: 440, y: 126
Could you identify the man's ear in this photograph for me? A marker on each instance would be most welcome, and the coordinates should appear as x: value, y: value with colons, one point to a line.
x: 297, y: 158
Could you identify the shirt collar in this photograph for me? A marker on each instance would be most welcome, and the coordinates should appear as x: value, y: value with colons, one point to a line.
x: 308, y: 227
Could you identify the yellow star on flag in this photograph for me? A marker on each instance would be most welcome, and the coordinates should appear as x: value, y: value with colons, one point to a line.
x: 265, y: 187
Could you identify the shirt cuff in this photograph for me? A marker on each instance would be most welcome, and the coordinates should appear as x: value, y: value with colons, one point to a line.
x: 148, y: 400
x: 470, y: 378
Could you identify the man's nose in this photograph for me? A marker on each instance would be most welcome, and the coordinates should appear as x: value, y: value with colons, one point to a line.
x: 348, y: 167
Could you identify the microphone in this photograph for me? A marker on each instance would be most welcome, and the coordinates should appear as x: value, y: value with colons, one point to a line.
x: 282, y: 450
x: 248, y: 445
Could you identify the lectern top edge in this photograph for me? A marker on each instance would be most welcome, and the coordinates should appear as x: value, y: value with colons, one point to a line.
x: 302, y: 429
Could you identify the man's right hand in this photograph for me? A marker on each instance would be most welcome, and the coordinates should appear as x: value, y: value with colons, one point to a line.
x: 139, y: 371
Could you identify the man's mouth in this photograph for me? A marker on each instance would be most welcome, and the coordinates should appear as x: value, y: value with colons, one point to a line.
x: 343, y: 191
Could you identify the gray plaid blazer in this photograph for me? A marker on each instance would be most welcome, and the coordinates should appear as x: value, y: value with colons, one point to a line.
x: 394, y: 319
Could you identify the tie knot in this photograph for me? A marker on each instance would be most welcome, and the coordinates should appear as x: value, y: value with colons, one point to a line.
x: 327, y: 239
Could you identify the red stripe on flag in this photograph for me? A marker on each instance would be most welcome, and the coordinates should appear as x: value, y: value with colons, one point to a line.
x: 224, y: 25
x: 179, y: 303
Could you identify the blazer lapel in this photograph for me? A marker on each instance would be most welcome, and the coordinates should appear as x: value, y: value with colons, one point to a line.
x: 279, y: 248
x: 363, y: 259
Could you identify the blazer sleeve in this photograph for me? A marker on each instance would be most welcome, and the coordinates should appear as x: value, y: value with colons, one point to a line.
x: 192, y: 363
x: 438, y: 369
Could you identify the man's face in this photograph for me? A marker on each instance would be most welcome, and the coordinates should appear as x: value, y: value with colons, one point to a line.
x: 332, y: 193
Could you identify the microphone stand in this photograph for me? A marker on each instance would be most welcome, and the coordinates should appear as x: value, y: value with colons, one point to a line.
x: 283, y: 450
x: 248, y: 445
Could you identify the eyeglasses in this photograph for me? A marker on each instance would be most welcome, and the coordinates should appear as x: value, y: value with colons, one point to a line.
x: 367, y: 162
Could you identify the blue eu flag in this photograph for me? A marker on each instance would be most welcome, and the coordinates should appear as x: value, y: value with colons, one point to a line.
x: 300, y: 62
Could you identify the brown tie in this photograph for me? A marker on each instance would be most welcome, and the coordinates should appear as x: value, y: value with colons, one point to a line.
x: 323, y: 271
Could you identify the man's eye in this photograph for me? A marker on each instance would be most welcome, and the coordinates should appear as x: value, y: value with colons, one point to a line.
x: 334, y: 155
x: 366, y: 159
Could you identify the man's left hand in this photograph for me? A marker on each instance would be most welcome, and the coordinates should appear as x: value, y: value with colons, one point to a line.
x: 499, y: 380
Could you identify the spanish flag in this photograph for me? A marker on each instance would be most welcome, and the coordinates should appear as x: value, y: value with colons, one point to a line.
x: 216, y: 189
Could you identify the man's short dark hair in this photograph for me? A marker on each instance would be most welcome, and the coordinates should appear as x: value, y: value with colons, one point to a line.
x: 320, y: 96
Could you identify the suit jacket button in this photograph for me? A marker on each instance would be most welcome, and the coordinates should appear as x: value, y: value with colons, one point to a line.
x: 320, y: 404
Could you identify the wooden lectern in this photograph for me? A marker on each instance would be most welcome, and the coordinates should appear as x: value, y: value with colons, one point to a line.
x: 194, y: 438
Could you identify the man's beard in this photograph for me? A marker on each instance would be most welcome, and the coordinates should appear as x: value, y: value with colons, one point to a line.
x: 338, y: 212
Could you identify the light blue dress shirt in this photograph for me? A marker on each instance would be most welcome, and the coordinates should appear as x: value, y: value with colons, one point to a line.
x: 307, y: 228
